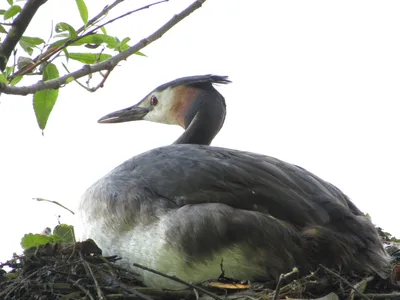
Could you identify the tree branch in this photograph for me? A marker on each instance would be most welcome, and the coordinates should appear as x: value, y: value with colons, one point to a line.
x: 17, y: 29
x: 106, y: 65
x: 44, y: 57
x: 105, y: 10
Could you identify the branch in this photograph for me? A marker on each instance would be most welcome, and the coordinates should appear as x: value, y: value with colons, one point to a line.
x: 18, y: 28
x: 127, y: 14
x: 106, y: 65
x: 334, y: 274
x: 176, y: 279
x: 105, y: 11
x: 44, y: 57
x: 55, y: 202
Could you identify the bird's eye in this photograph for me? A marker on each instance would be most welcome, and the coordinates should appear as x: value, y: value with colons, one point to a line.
x: 153, y: 100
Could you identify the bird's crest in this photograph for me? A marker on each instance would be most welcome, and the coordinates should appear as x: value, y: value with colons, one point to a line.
x: 191, y: 80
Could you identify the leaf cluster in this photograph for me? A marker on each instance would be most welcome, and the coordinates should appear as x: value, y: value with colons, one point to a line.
x: 48, y: 58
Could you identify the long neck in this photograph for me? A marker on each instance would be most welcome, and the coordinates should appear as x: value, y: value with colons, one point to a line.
x: 207, y: 119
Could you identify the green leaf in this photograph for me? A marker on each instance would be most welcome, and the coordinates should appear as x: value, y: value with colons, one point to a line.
x: 93, y: 39
x: 33, y: 41
x: 64, y: 233
x: 16, y: 80
x: 2, y: 11
x: 12, y: 11
x: 83, y: 11
x: 66, y: 54
x: 11, y: 2
x: 3, y: 78
x: 27, y: 47
x: 2, y: 29
x: 140, y: 54
x: 97, y: 39
x: 33, y: 240
x: 62, y: 26
x: 103, y: 30
x: 89, y: 58
x: 69, y: 79
x: 43, y: 101
x: 9, y: 71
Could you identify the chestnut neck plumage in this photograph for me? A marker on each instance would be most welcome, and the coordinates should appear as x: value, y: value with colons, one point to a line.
x: 204, y: 118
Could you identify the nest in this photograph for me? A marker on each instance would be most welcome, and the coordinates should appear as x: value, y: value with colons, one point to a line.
x: 79, y: 271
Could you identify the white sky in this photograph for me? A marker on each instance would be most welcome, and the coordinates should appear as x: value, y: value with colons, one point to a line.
x: 315, y: 83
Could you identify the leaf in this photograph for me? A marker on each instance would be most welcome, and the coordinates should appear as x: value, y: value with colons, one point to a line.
x: 3, y: 78
x: 2, y: 29
x: 89, y: 58
x: 11, y: 2
x: 140, y: 54
x: 2, y: 11
x: 33, y: 240
x: 15, y: 80
x: 27, y: 47
x: 34, y: 41
x: 83, y: 11
x: 94, y: 39
x: 9, y: 71
x: 125, y: 40
x: 64, y: 233
x: 43, y: 101
x: 66, y: 55
x: 12, y: 11
x: 103, y: 30
x: 98, y: 39
x: 62, y: 26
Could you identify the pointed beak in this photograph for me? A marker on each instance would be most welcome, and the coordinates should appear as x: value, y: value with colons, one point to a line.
x: 133, y: 113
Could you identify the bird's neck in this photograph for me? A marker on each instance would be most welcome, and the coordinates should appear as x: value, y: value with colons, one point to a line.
x: 206, y: 121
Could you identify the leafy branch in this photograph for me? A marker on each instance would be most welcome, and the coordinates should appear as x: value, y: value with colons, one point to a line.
x: 18, y: 28
x: 94, y: 61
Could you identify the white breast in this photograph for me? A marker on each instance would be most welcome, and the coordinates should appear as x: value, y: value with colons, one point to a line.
x: 148, y: 246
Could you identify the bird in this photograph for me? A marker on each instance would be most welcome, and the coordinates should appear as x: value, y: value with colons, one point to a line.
x: 190, y: 209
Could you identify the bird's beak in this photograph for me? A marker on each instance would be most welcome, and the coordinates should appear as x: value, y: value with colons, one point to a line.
x: 133, y: 113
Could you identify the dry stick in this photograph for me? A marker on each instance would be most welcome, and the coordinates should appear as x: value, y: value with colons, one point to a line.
x: 104, y: 65
x: 88, y: 268
x: 120, y: 284
x: 134, y: 292
x: 359, y: 284
x: 54, y: 202
x: 101, y: 84
x: 79, y: 286
x: 280, y: 281
x: 345, y: 281
x: 17, y: 29
x: 176, y: 279
x: 381, y: 296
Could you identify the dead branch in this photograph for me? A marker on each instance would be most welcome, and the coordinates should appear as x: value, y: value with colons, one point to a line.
x: 280, y: 281
x: 106, y: 65
x: 54, y: 202
x: 176, y: 279
x: 334, y: 274
x: 17, y: 29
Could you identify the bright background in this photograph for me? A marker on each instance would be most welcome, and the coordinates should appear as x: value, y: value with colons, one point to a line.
x: 315, y: 83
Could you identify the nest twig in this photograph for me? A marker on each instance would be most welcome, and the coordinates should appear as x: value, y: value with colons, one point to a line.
x: 79, y: 271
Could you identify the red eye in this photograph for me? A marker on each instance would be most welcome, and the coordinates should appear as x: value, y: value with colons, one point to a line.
x: 153, y: 100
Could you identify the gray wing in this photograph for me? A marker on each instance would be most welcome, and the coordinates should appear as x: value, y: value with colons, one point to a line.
x: 192, y: 174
